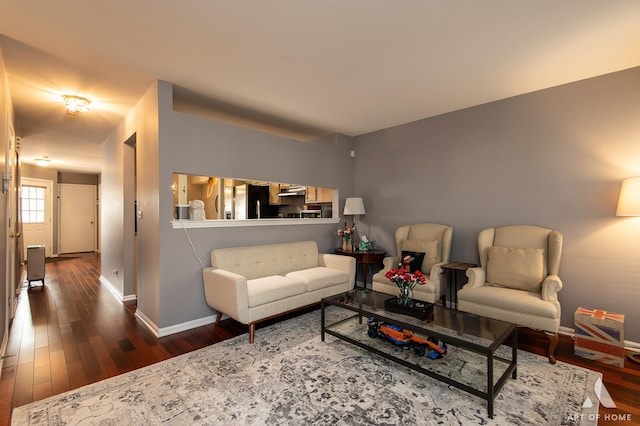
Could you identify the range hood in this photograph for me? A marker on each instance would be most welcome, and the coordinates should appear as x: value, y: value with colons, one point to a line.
x: 291, y: 191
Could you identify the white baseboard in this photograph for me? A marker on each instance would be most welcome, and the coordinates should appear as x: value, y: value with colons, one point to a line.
x: 566, y: 331
x: 151, y: 326
x: 628, y: 344
x: 115, y: 292
x: 166, y: 331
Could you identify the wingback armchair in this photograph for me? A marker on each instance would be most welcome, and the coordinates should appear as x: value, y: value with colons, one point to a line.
x: 431, y: 239
x: 517, y: 280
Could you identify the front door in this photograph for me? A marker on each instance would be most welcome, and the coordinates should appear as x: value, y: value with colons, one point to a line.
x: 36, y: 200
x: 77, y: 218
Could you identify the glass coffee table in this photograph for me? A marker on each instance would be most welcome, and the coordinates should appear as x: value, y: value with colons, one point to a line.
x: 477, y: 359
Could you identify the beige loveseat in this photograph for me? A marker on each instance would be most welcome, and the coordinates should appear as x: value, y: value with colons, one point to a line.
x: 254, y: 283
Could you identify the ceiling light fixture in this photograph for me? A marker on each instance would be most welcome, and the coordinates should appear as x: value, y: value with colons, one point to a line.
x: 75, y: 105
x: 42, y: 161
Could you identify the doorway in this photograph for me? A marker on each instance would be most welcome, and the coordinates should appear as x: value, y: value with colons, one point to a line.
x: 78, y: 205
x: 130, y: 246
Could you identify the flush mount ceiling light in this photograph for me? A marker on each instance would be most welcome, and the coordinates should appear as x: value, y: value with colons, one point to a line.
x: 42, y: 161
x: 75, y: 105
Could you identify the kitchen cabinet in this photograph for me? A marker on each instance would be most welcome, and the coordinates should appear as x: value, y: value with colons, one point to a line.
x: 199, y: 180
x: 316, y: 194
x: 274, y: 190
x: 311, y: 194
x: 324, y: 195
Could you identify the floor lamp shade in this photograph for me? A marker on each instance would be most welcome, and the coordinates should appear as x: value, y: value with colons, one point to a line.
x: 629, y: 201
x: 353, y: 206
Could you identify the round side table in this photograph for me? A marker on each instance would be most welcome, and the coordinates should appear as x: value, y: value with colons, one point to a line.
x: 365, y: 259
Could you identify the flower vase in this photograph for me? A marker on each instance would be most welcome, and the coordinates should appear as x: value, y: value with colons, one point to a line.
x: 346, y: 244
x: 405, y: 296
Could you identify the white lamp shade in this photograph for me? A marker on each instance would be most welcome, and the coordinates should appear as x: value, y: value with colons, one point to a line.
x: 629, y: 201
x: 353, y: 206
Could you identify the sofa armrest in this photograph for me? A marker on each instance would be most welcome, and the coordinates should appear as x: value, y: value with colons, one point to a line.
x: 389, y: 263
x: 476, y: 277
x: 550, y: 288
x: 337, y: 261
x: 226, y: 292
x: 436, y: 273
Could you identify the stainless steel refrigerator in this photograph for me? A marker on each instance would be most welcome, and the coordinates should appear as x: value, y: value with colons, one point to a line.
x: 252, y: 202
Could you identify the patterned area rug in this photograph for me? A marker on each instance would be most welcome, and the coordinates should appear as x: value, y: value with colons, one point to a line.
x: 288, y: 376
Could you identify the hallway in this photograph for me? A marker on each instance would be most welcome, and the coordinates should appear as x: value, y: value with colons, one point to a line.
x: 73, y: 332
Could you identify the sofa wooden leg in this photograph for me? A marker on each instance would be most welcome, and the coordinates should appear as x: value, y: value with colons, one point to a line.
x: 553, y: 342
x: 218, y: 317
x: 252, y: 331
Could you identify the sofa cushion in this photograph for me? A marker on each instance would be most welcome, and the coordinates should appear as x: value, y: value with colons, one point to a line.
x: 320, y: 277
x: 430, y: 248
x: 524, y: 303
x: 518, y: 268
x: 272, y: 288
x: 266, y: 260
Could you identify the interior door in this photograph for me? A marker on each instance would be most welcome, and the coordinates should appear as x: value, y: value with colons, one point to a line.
x: 77, y: 218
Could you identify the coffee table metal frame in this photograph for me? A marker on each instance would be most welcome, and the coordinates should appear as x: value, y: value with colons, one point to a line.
x: 365, y: 309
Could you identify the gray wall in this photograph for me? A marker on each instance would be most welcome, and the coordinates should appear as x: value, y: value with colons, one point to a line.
x: 201, y: 146
x: 117, y: 211
x: 553, y: 158
x: 169, y: 276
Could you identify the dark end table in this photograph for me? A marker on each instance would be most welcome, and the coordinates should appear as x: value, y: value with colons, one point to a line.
x: 453, y: 268
x: 365, y: 259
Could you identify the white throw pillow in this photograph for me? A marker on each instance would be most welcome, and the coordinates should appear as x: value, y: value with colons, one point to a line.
x: 430, y: 248
x: 518, y: 268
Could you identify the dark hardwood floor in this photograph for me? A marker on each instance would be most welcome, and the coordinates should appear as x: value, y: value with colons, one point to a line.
x: 73, y: 332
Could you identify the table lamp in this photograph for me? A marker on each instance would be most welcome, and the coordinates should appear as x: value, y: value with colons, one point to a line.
x: 629, y: 205
x: 629, y: 201
x: 354, y: 206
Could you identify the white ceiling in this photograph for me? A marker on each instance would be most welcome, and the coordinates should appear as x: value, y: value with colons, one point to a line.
x: 347, y: 66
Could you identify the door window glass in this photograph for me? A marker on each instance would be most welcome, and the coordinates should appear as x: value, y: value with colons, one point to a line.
x: 32, y: 204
